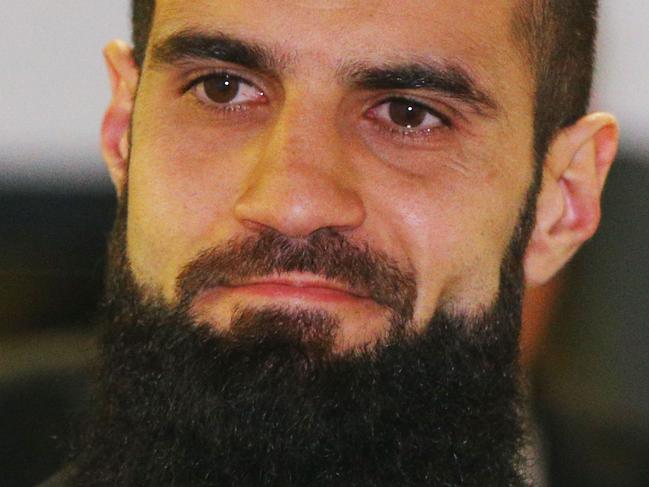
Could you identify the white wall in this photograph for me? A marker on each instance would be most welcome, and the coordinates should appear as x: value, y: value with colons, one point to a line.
x: 622, y: 78
x: 53, y: 85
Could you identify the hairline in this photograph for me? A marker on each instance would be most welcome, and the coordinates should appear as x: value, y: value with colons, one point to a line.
x: 524, y: 41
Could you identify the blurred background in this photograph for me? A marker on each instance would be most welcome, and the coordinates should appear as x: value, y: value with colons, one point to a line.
x: 585, y: 340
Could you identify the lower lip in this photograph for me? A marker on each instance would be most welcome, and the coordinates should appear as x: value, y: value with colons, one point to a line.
x: 284, y: 291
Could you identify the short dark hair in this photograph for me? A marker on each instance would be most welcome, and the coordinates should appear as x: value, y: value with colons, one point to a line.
x: 142, y: 19
x: 557, y: 38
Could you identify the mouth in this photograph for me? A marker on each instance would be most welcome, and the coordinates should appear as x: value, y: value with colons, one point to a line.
x: 298, y: 286
x: 361, y: 317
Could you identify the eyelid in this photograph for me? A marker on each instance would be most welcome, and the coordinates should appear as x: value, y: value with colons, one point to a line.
x: 445, y: 119
x: 256, y: 97
x: 417, y: 138
x: 199, y: 78
x: 404, y: 135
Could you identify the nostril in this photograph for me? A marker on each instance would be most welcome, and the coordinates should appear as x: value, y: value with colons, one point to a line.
x: 255, y: 226
x: 297, y: 205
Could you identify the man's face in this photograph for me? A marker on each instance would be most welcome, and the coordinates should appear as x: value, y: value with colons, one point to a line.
x: 405, y: 129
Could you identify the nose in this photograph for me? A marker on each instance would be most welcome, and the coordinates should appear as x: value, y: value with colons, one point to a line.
x: 301, y: 182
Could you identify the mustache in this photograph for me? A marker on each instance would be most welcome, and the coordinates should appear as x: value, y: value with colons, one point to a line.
x: 325, y: 253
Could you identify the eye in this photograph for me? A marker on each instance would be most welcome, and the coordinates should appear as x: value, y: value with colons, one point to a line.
x: 223, y: 89
x: 402, y: 113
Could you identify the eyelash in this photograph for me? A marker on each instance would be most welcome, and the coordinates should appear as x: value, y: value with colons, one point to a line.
x: 192, y: 84
x: 405, y: 133
x: 392, y: 131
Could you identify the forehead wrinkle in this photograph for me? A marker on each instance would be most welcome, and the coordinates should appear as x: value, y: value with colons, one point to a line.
x: 172, y: 20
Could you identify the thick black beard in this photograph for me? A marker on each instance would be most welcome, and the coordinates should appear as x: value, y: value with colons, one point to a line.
x: 267, y: 403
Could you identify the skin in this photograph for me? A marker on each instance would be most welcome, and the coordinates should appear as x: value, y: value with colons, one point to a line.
x: 316, y: 153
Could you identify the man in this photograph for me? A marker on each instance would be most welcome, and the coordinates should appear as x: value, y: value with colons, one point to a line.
x: 327, y: 214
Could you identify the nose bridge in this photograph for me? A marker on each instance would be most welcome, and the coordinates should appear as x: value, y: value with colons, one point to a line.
x: 301, y: 181
x: 305, y: 133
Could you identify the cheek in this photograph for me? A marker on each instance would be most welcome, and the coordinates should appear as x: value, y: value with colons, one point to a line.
x: 453, y: 229
x: 182, y: 187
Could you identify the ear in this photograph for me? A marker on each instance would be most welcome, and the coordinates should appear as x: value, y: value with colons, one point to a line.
x: 124, y: 75
x: 568, y: 208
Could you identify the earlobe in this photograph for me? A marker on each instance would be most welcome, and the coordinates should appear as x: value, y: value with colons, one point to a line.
x: 568, y: 206
x: 123, y: 74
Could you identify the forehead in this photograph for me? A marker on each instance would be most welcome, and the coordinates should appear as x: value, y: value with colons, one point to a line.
x: 476, y: 33
x: 429, y: 15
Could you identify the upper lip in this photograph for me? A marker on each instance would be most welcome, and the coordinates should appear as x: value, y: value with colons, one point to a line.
x: 299, y: 280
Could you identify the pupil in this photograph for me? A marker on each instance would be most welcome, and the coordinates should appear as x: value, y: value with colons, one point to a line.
x: 221, y: 89
x: 407, y: 114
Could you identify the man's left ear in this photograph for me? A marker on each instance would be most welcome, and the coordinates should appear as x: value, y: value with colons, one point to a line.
x: 568, y: 208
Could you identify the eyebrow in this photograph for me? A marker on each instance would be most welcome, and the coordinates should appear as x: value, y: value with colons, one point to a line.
x: 191, y: 45
x: 447, y: 79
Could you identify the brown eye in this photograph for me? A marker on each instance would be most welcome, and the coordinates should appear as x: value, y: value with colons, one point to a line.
x: 221, y: 88
x: 227, y: 92
x: 407, y: 114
